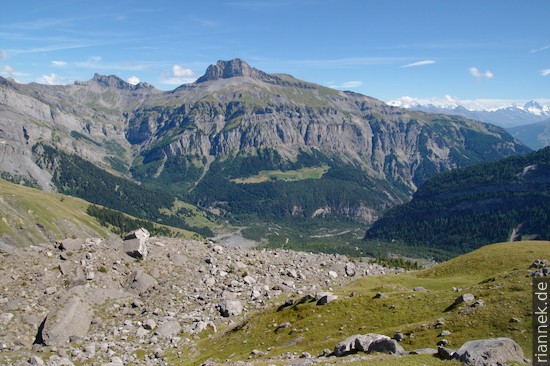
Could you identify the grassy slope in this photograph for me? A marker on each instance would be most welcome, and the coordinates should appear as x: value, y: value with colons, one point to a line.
x: 495, y: 273
x: 32, y: 216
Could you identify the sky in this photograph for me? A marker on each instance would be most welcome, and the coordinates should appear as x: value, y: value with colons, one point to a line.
x: 485, y: 51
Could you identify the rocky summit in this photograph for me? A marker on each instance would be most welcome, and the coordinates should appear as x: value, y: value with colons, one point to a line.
x: 88, y: 301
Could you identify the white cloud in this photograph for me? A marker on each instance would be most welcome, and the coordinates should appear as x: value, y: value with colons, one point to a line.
x: 134, y: 80
x: 49, y: 79
x: 481, y: 75
x: 3, y: 54
x: 540, y: 49
x: 180, y: 72
x: 545, y: 72
x: 59, y: 63
x: 179, y: 76
x: 8, y: 70
x: 347, y: 85
x: 420, y: 63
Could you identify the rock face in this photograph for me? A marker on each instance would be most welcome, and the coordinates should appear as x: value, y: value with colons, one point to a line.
x: 71, y: 317
x: 487, y: 352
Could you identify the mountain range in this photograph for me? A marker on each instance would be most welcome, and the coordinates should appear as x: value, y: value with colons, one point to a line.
x: 241, y: 144
x: 529, y: 123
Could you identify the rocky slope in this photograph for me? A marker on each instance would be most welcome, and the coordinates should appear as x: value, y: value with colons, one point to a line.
x: 234, y: 122
x: 158, y: 301
x: 115, y: 308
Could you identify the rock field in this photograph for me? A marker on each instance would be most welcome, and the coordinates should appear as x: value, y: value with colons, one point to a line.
x: 115, y: 302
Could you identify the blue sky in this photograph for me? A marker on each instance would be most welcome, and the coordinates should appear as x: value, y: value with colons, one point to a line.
x: 489, y: 50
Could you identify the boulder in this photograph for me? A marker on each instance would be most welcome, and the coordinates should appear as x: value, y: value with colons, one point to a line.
x: 465, y: 298
x: 230, y: 308
x: 135, y: 248
x: 140, y: 233
x: 492, y: 351
x: 71, y: 317
x: 139, y: 281
x: 324, y: 298
x: 70, y: 245
x: 368, y: 343
x: 350, y: 269
x: 168, y: 329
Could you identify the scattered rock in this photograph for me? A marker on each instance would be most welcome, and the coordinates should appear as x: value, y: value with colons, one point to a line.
x: 487, y: 352
x: 380, y: 295
x: 420, y: 289
x: 424, y: 351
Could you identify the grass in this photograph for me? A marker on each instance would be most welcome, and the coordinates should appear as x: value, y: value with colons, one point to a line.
x: 497, y: 274
x: 35, y: 216
x: 290, y: 175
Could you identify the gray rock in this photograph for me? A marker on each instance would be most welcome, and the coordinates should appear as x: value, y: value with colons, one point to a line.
x: 445, y: 353
x: 424, y: 351
x: 487, y: 352
x: 368, y: 343
x: 135, y: 248
x: 178, y: 259
x: 70, y: 245
x: 139, y: 281
x: 380, y: 295
x: 420, y: 289
x: 149, y: 324
x: 465, y: 298
x: 140, y: 233
x: 324, y: 298
x: 71, y: 317
x: 230, y: 308
x: 168, y: 329
x: 5, y: 318
x: 350, y: 269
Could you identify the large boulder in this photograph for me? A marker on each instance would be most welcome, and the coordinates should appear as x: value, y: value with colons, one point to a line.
x: 230, y: 308
x: 71, y: 316
x: 135, y: 243
x: 492, y: 351
x: 139, y: 281
x: 71, y: 244
x: 368, y: 343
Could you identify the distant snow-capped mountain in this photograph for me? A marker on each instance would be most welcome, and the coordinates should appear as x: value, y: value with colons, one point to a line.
x: 507, y: 116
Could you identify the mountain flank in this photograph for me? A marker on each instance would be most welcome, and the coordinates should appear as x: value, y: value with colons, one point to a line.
x: 458, y: 211
x: 204, y: 143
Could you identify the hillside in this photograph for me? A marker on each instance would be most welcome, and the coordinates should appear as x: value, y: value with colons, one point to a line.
x: 421, y: 314
x: 32, y: 217
x: 535, y: 135
x: 461, y: 210
x: 194, y: 303
x: 207, y: 142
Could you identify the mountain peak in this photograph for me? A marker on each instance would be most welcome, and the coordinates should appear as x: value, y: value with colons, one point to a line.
x: 112, y: 81
x: 233, y: 68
